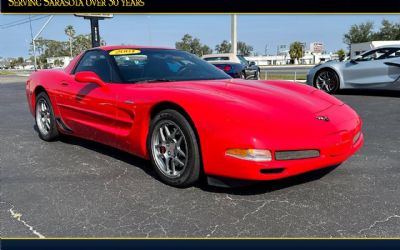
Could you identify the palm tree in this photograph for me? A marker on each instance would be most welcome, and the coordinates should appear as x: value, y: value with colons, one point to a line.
x: 296, y: 51
x: 341, y: 54
x: 70, y: 32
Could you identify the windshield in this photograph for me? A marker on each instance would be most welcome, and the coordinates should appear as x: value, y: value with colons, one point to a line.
x: 217, y: 58
x: 382, y: 53
x: 242, y: 60
x: 159, y: 65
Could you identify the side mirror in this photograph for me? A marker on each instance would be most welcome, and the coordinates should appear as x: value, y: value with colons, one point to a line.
x: 252, y: 63
x: 89, y: 76
x: 353, y: 61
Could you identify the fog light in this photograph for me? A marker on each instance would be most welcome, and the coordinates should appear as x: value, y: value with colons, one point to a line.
x: 250, y: 154
x: 296, y: 154
x: 356, y: 137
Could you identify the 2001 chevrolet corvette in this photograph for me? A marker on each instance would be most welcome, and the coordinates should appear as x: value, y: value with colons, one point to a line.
x: 190, y: 118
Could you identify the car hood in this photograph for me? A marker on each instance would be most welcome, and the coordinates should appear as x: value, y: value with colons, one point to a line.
x: 262, y: 95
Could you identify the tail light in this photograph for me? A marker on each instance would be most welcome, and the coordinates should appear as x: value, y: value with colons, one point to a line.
x: 227, y: 68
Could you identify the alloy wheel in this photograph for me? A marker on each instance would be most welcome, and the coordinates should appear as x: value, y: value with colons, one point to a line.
x: 169, y: 148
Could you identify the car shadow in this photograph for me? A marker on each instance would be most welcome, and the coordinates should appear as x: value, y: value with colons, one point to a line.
x: 111, y: 152
x: 245, y: 188
x: 370, y: 92
x: 269, y: 186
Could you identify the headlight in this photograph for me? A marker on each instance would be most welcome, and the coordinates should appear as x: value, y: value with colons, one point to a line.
x: 250, y: 154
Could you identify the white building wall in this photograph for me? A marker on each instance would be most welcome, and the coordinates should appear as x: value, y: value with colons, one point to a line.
x: 359, y: 48
x: 308, y: 59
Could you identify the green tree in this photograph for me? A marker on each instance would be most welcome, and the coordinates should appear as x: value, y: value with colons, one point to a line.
x: 70, y: 32
x: 81, y: 43
x: 388, y: 31
x: 224, y: 47
x: 296, y: 51
x: 244, y: 49
x: 359, y: 33
x: 205, y: 50
x: 16, y: 62
x: 193, y: 45
x: 55, y: 48
x: 341, y: 54
x: 58, y: 63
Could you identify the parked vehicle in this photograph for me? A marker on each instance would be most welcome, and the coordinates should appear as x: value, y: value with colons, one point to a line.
x: 190, y: 118
x: 234, y: 65
x: 377, y: 68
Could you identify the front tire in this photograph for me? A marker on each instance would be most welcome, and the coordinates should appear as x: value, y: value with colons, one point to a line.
x: 327, y: 80
x: 257, y: 75
x: 45, y: 120
x: 173, y: 148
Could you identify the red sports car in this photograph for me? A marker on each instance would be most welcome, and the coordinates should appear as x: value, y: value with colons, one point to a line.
x: 190, y: 118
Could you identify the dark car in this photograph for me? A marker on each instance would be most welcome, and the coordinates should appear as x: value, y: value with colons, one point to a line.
x: 234, y: 65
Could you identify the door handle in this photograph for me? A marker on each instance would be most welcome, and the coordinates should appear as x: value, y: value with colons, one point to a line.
x: 64, y: 84
x: 129, y: 102
x: 392, y: 64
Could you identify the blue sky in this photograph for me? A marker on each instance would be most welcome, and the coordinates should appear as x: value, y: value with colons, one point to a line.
x: 164, y: 30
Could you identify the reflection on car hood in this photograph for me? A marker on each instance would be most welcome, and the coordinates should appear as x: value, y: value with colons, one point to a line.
x: 262, y: 94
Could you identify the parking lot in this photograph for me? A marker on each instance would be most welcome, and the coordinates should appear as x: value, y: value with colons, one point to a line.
x: 76, y: 188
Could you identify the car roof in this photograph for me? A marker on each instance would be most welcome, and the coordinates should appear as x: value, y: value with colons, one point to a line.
x: 114, y: 47
x: 219, y: 55
x: 389, y: 46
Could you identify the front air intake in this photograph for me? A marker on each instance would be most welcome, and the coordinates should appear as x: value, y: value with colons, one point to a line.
x: 296, y: 154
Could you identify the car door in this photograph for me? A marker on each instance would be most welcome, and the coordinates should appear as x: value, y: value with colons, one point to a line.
x: 250, y: 70
x: 89, y: 110
x: 373, y: 68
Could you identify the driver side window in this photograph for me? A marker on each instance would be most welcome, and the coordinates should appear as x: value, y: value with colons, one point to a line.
x: 95, y: 61
x: 374, y: 55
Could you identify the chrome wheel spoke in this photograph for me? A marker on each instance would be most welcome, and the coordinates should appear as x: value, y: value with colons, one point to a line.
x: 180, y: 151
x: 173, y: 168
x: 172, y: 136
x: 167, y: 164
x: 47, y: 123
x: 178, y: 143
x: 162, y: 137
x: 167, y: 131
x: 179, y: 161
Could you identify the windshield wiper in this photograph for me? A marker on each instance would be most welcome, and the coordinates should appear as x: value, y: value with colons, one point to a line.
x: 153, y: 80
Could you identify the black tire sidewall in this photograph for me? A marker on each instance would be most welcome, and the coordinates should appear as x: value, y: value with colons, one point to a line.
x: 336, y: 89
x: 53, y: 129
x: 192, y: 171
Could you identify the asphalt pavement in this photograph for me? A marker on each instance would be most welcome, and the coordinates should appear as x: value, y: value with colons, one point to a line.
x: 77, y: 188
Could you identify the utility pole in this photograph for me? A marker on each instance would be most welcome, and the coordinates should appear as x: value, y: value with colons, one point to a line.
x: 234, y: 34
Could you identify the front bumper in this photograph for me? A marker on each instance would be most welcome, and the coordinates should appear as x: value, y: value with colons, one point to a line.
x: 337, y: 148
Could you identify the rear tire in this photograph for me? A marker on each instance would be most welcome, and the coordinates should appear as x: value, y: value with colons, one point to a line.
x: 174, y: 149
x: 44, y: 117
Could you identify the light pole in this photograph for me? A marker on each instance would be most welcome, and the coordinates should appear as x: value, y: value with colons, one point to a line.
x: 35, y: 37
x: 234, y: 34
